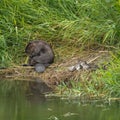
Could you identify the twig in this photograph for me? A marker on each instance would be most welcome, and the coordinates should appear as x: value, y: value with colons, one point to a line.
x: 90, y: 61
x: 114, y: 99
x: 103, y: 51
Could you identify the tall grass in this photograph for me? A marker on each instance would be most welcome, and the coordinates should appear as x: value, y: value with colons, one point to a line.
x: 111, y: 78
x: 72, y: 21
x: 108, y: 81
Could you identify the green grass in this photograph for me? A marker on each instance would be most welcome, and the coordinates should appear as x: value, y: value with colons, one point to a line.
x: 98, y: 84
x: 111, y: 78
x: 78, y: 23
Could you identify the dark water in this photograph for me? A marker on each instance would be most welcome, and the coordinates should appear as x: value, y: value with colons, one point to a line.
x: 14, y: 105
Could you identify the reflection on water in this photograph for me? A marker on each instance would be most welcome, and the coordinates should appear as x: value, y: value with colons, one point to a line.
x: 16, y: 106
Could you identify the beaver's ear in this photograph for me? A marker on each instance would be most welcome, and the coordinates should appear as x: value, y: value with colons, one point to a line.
x: 28, y: 47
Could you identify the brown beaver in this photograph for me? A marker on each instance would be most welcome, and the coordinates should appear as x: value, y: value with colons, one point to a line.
x: 40, y: 54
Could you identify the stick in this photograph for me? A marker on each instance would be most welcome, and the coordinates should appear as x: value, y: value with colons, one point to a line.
x: 92, y: 59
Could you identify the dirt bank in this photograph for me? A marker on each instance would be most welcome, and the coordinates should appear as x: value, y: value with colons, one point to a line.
x: 58, y: 71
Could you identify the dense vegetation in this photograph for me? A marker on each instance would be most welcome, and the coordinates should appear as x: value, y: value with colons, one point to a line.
x: 69, y: 22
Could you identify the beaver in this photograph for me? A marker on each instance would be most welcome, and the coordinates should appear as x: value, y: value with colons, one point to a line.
x: 40, y: 54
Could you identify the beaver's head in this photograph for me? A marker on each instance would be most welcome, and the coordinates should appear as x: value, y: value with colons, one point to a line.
x: 30, y: 48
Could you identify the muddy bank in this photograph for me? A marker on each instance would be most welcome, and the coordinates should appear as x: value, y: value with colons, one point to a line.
x: 58, y: 71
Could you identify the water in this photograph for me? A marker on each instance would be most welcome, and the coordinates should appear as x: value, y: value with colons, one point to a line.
x: 17, y: 106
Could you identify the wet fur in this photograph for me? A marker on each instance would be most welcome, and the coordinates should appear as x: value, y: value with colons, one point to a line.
x: 39, y: 52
